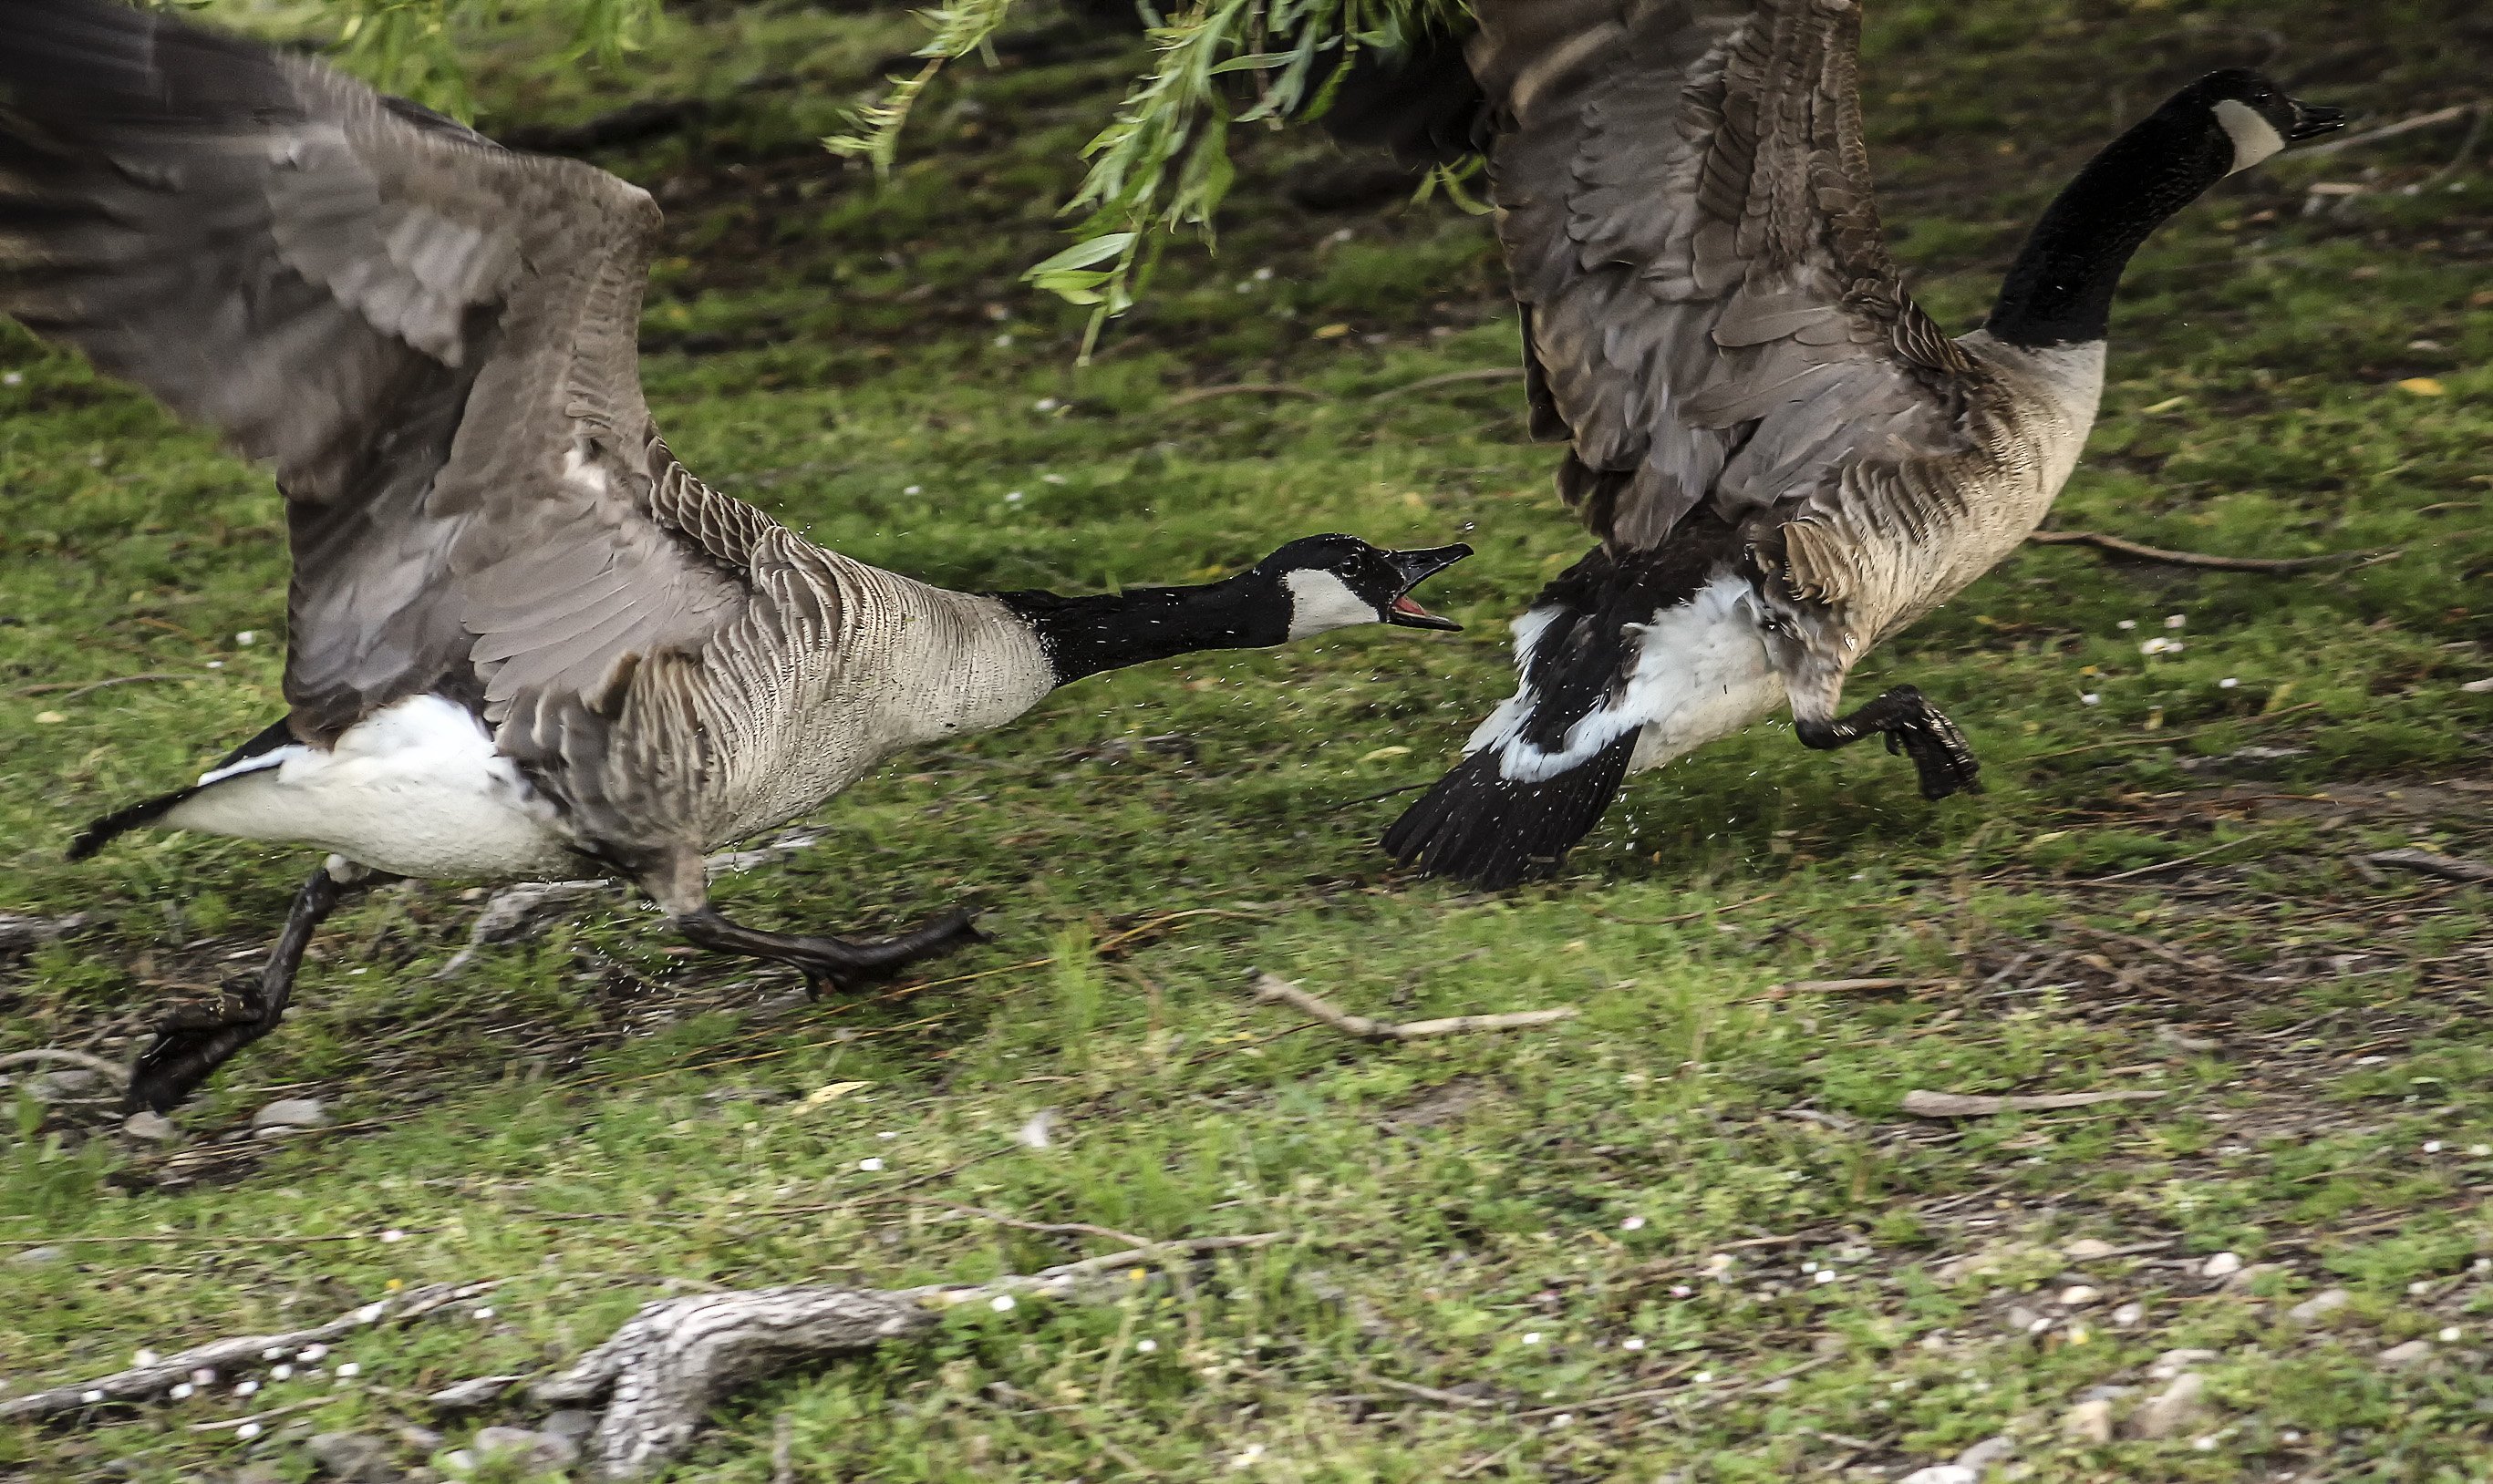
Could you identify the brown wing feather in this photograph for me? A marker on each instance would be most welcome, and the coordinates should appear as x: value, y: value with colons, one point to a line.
x: 1710, y: 311
x: 430, y: 339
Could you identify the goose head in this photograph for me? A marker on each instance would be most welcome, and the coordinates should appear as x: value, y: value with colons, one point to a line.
x: 1336, y: 582
x: 2256, y: 116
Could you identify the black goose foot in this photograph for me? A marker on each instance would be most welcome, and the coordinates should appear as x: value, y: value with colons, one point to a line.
x: 1913, y: 726
x: 1939, y: 751
x: 195, y: 1040
x: 190, y: 1045
x: 831, y: 963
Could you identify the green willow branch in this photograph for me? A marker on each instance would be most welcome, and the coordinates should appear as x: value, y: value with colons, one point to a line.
x: 1162, y: 162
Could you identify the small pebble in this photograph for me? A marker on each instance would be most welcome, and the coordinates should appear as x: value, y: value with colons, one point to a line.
x: 2397, y: 1356
x: 393, y: 1235
x: 1147, y: 1346
x: 486, y: 1312
x: 1703, y: 1376
x: 1002, y: 1303
x: 2223, y: 1265
x: 289, y: 1114
x: 2449, y: 1334
x: 2076, y: 1294
x: 349, y: 1369
x: 204, y: 1377
x: 91, y: 1396
x: 247, y: 1431
x: 1532, y: 1338
x: 1631, y: 1342
x: 869, y: 1165
x: 182, y: 1391
x: 280, y: 1372
x: 145, y: 1359
x: 245, y: 1388
x: 2319, y: 1305
x: 1633, y: 1224
x: 2432, y: 1146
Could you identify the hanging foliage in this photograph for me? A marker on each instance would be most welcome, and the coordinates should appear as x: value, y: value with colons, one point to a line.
x: 1162, y: 162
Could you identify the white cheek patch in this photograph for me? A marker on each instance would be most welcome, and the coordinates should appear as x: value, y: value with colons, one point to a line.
x: 2254, y: 138
x: 1320, y: 601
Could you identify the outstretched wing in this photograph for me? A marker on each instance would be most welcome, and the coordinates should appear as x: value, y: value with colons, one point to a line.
x: 1710, y: 313
x: 430, y: 339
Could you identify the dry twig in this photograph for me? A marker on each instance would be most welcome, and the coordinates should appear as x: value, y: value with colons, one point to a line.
x: 1977, y: 1105
x: 2432, y: 863
x: 140, y: 1382
x: 1244, y: 388
x: 1851, y: 985
x: 2125, y: 548
x: 2390, y: 130
x: 1271, y: 987
x: 1450, y: 378
x: 113, y: 1071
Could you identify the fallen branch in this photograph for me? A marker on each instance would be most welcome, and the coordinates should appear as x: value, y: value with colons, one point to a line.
x: 1851, y: 985
x: 72, y: 689
x: 140, y: 1383
x: 1244, y: 388
x: 1270, y: 986
x: 2390, y: 130
x: 1977, y: 1105
x: 119, y: 1075
x: 2432, y: 863
x: 661, y: 1371
x: 2125, y: 548
x: 1450, y: 378
x: 19, y: 931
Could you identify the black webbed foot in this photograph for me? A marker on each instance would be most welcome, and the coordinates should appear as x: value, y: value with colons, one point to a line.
x: 1939, y: 751
x: 195, y: 1040
x: 831, y: 963
x: 1912, y: 726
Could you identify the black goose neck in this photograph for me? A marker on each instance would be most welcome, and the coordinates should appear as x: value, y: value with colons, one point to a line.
x: 2059, y: 289
x: 1085, y: 635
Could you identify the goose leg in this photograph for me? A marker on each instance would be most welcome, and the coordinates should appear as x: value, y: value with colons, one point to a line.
x: 830, y: 963
x: 191, y: 1044
x: 1913, y: 726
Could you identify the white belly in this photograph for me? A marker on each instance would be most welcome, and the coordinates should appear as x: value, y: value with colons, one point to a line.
x: 1700, y: 671
x: 414, y: 790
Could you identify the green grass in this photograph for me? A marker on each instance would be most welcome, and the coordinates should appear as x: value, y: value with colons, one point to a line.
x: 600, y: 1116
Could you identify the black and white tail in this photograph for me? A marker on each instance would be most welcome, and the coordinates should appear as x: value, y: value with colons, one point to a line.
x: 129, y: 817
x: 1622, y: 663
x: 1478, y: 825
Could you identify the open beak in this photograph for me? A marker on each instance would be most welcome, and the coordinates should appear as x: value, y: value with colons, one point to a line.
x: 1415, y: 568
x: 2312, y: 120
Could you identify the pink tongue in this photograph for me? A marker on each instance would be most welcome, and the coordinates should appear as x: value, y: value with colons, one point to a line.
x: 1404, y: 604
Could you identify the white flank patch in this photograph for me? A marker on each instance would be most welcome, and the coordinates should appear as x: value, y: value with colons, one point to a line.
x: 2255, y: 139
x: 1321, y: 602
x: 580, y: 474
x: 1700, y: 671
x: 413, y: 790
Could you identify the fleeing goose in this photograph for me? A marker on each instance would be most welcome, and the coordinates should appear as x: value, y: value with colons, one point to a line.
x: 1787, y: 461
x: 522, y: 639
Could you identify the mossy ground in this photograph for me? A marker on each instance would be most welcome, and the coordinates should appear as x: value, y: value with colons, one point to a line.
x: 2162, y: 887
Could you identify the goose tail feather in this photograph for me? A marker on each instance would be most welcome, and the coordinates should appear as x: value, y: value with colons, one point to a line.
x: 1480, y: 826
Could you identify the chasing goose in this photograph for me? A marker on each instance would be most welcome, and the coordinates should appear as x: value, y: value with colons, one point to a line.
x: 522, y: 639
x: 1786, y: 461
